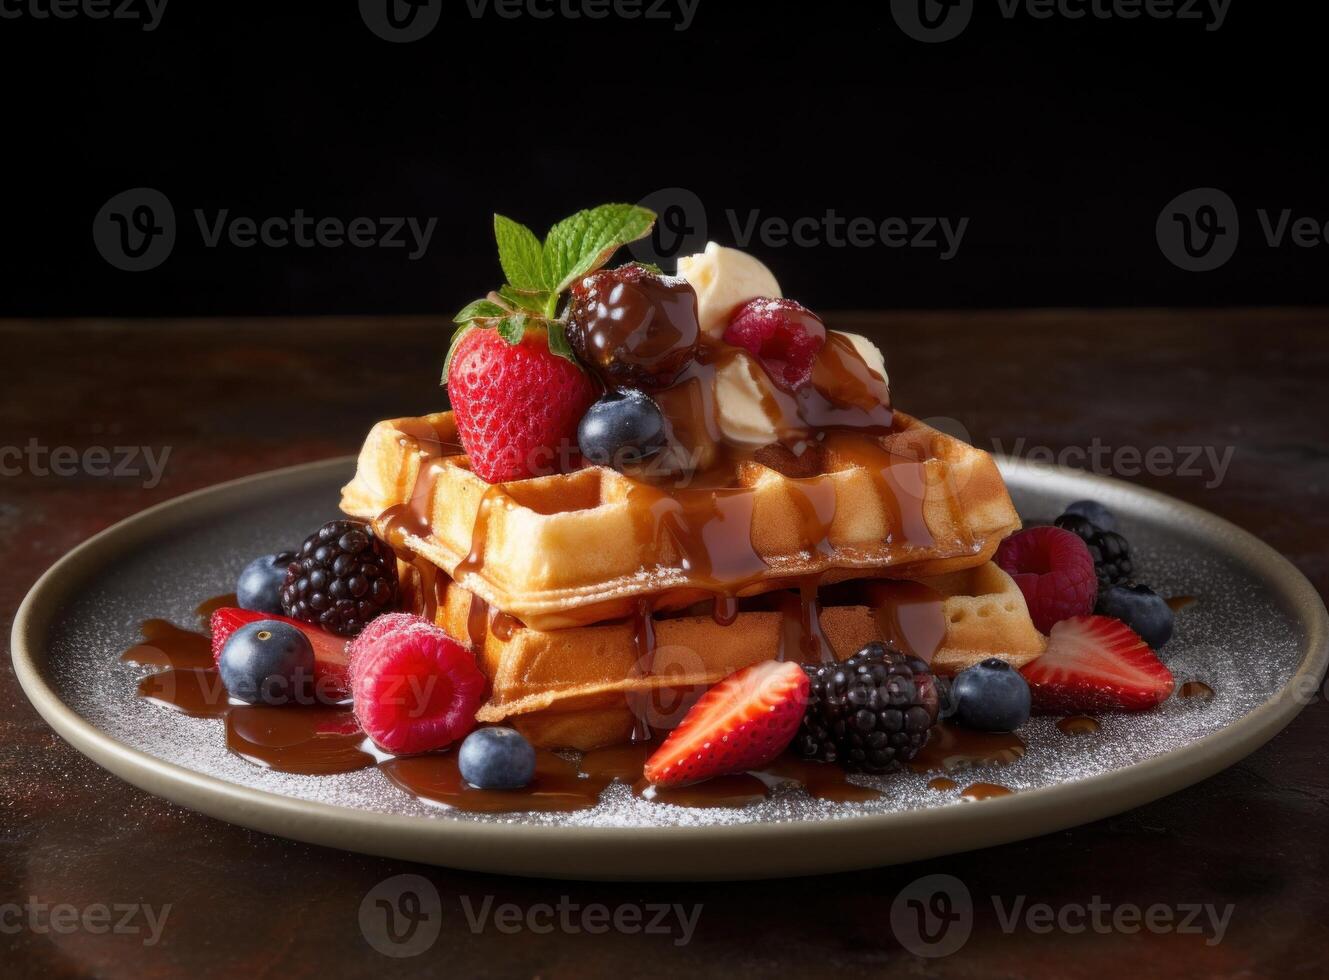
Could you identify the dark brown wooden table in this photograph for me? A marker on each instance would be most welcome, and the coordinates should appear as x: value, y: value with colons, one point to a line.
x: 236, y: 397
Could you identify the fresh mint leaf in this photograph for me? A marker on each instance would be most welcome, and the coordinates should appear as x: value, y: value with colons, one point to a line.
x: 512, y: 328
x: 480, y: 308
x: 520, y: 253
x: 579, y: 245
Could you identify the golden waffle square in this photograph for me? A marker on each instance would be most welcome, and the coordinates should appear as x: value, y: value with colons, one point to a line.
x: 583, y: 687
x: 591, y: 545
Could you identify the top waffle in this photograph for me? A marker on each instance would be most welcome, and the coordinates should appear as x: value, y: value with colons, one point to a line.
x: 591, y: 545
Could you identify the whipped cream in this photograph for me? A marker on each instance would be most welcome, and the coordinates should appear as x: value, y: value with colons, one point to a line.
x: 870, y: 353
x: 725, y: 278
x: 743, y: 392
x: 750, y: 408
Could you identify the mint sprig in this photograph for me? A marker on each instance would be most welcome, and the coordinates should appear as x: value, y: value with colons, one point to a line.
x: 538, y: 273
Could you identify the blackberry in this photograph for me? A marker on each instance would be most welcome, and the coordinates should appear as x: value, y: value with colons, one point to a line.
x: 1111, y: 552
x: 871, y: 713
x: 342, y: 577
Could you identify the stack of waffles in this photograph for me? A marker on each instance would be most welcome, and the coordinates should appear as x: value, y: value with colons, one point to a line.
x: 599, y: 605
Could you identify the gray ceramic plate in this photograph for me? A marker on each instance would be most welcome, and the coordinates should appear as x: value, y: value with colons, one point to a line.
x: 1258, y: 635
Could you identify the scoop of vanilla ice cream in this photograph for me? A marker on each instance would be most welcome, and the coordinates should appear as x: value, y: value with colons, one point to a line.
x: 724, y: 279
x: 870, y: 353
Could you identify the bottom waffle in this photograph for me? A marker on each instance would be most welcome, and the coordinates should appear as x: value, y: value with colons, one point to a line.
x: 586, y: 687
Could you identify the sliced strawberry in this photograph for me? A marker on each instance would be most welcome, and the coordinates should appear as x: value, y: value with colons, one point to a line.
x: 1095, y: 663
x: 741, y: 723
x: 331, y: 659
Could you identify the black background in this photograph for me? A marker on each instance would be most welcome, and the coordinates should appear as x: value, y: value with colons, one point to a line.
x: 1061, y: 140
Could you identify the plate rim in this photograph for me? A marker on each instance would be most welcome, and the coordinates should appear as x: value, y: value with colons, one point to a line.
x: 731, y: 851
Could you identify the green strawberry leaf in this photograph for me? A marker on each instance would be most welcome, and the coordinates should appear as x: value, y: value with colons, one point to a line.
x: 480, y: 308
x: 558, y: 342
x: 534, y: 302
x: 519, y: 253
x: 512, y: 328
x: 457, y: 336
x: 579, y: 245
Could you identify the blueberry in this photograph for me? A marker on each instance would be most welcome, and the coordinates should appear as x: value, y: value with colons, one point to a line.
x: 991, y: 696
x: 1140, y: 608
x: 267, y: 662
x: 621, y: 428
x: 1095, y: 513
x: 259, y: 586
x: 496, y: 758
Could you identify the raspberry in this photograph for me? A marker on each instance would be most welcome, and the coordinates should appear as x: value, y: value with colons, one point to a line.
x: 1054, y: 570
x: 785, y: 336
x: 416, y: 689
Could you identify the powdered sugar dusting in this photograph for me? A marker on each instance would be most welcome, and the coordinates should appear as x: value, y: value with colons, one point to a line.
x: 1235, y: 638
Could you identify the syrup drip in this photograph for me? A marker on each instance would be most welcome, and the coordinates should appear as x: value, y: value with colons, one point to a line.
x: 643, y: 647
x: 1179, y: 602
x: 194, y: 692
x: 474, y: 562
x: 1078, y: 725
x: 821, y: 780
x: 725, y: 610
x: 976, y: 792
x: 1197, y: 690
x: 911, y: 618
x: 557, y: 787
x: 942, y: 784
x: 730, y: 791
x: 477, y: 622
x: 167, y: 645
x: 309, y: 740
x: 951, y: 747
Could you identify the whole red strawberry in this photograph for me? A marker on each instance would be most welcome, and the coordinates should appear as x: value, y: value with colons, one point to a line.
x: 517, y: 404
